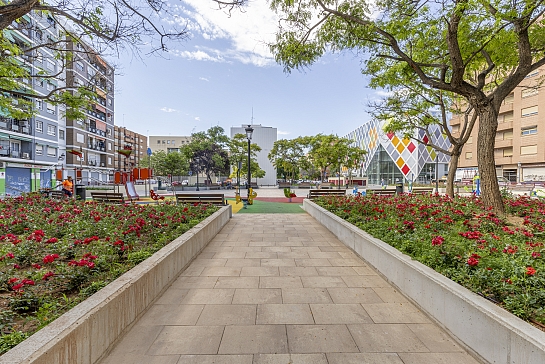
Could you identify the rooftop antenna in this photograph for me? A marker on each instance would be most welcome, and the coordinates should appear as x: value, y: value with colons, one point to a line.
x: 252, y: 122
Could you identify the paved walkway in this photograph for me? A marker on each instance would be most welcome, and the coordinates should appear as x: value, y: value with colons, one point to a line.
x: 279, y: 289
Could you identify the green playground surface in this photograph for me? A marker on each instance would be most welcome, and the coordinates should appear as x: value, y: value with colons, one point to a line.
x: 264, y: 207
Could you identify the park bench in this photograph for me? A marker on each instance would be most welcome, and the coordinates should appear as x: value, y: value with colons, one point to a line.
x: 321, y: 192
x: 325, y: 185
x: 56, y: 194
x: 422, y: 191
x: 304, y: 185
x: 108, y: 197
x: 380, y: 192
x: 210, y: 198
x: 284, y: 185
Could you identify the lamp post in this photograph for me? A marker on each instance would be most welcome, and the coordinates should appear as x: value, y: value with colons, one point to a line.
x: 437, y: 172
x: 519, y: 172
x: 197, y: 172
x: 249, y: 130
x: 339, y: 186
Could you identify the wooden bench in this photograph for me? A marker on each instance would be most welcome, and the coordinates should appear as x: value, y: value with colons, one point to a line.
x: 56, y: 194
x: 284, y: 185
x: 325, y: 185
x: 304, y: 185
x: 321, y: 192
x: 108, y: 197
x: 380, y: 192
x: 210, y: 198
x: 422, y: 191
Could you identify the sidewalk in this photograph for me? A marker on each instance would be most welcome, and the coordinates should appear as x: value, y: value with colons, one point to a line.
x: 282, y: 289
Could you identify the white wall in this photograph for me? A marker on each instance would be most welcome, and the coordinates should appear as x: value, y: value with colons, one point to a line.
x: 264, y: 136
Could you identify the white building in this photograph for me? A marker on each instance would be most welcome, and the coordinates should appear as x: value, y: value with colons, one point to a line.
x: 264, y: 136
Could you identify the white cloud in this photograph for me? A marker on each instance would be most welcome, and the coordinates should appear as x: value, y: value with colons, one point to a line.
x: 168, y: 109
x: 198, y: 118
x: 204, y: 79
x: 384, y: 93
x: 247, y: 32
x: 279, y: 132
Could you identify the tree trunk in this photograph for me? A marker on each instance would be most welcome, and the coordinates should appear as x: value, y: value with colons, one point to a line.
x: 490, y: 191
x: 454, y: 157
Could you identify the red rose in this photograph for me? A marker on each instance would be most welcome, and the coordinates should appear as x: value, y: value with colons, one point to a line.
x: 530, y: 271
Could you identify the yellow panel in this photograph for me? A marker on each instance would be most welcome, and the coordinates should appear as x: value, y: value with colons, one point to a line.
x: 433, y: 154
x: 406, y: 141
x: 400, y: 147
x: 400, y: 162
x: 395, y: 141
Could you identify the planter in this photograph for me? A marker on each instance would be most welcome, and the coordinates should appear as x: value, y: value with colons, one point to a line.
x: 490, y: 332
x: 86, y: 332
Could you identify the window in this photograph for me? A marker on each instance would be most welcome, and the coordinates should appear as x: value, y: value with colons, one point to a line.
x: 50, y: 108
x: 163, y: 142
x: 50, y: 86
x: 533, y: 74
x: 508, y: 134
x: 79, y: 66
x: 531, y: 130
x: 173, y: 142
x: 527, y: 92
x: 455, y: 129
x: 508, y: 152
x: 109, y: 146
x: 158, y: 142
x: 50, y: 65
x: 505, y: 117
x: 39, y: 34
x: 109, y: 160
x: 168, y: 141
x: 469, y: 155
x: 469, y: 141
x: 61, y: 134
x: 109, y: 102
x: 509, y: 98
x: 51, y: 152
x: 39, y: 126
x: 80, y: 138
x: 51, y: 130
x: 39, y: 149
x: 39, y: 105
x: 529, y: 111
x: 528, y: 149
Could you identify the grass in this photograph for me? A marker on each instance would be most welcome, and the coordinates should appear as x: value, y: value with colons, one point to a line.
x: 263, y: 207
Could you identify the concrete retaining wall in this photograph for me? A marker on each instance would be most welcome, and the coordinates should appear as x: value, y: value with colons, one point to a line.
x: 492, y: 333
x: 86, y: 332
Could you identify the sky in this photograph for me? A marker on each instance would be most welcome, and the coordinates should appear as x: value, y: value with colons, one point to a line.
x: 224, y: 72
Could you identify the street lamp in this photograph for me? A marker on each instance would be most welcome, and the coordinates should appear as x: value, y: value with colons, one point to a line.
x: 519, y: 172
x: 339, y: 186
x: 197, y: 172
x: 249, y: 130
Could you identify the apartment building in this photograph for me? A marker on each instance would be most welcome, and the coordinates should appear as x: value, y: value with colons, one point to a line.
x: 30, y: 149
x: 168, y: 143
x: 125, y: 139
x: 90, y: 142
x: 519, y: 155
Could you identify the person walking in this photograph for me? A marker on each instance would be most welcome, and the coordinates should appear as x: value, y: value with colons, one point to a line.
x: 68, y: 186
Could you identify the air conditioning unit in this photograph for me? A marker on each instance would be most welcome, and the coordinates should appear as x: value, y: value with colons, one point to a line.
x: 102, y: 165
x: 2, y: 165
x: 26, y: 156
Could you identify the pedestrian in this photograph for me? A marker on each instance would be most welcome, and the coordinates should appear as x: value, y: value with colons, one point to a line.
x: 382, y: 184
x: 67, y: 186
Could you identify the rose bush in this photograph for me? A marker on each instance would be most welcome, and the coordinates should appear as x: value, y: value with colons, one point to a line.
x: 497, y: 257
x: 54, y: 254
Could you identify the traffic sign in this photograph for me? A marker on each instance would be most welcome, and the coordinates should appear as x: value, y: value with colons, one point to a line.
x: 149, y: 151
x: 190, y: 173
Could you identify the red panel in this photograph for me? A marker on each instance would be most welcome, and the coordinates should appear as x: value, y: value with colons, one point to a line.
x: 58, y: 175
x: 144, y: 173
x: 135, y: 174
x: 117, y: 178
x: 411, y: 147
x: 78, y: 174
x: 405, y: 169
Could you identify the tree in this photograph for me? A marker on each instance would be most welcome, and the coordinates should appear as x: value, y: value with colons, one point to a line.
x: 99, y: 25
x: 163, y: 164
x: 238, y: 152
x: 207, y: 154
x: 414, y: 107
x: 289, y: 156
x: 479, y: 50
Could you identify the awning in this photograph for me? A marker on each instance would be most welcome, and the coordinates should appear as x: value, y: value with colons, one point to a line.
x: 26, y: 17
x: 100, y: 92
x: 101, y: 61
x: 8, y: 35
x: 2, y: 135
x: 100, y: 125
x: 100, y: 108
x: 17, y: 137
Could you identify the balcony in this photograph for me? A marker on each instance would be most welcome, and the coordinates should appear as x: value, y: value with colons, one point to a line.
x: 18, y: 126
x: 503, y: 160
x: 96, y: 146
x: 505, y: 125
x: 506, y: 106
x: 503, y: 143
x: 9, y: 153
x: 96, y: 131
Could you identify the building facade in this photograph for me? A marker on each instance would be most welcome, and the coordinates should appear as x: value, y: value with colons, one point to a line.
x: 125, y: 139
x: 168, y: 143
x: 391, y: 158
x: 519, y: 156
x: 264, y: 136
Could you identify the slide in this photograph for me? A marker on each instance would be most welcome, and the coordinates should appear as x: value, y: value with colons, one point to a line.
x: 131, y: 191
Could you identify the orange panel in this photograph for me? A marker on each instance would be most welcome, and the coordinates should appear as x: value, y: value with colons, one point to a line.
x: 78, y: 174
x: 135, y: 174
x: 117, y: 178
x: 150, y: 173
x: 144, y: 173
x: 58, y: 175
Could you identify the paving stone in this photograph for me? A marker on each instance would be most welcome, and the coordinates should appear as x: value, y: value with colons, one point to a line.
x: 401, y: 312
x: 243, y: 262
x: 185, y: 282
x: 202, y: 296
x: 305, y: 249
x: 320, y: 339
x: 209, y: 262
x: 390, y: 295
x: 280, y: 282
x: 277, y: 262
x: 325, y: 255
x: 215, y: 359
x: 290, y: 359
x: 261, y: 255
x: 389, y: 338
x: 275, y: 314
x: 312, y: 263
x: 259, y: 271
x: 336, y: 271
x: 247, y: 249
x: 298, y: 271
x: 293, y: 255
x: 434, y: 338
x: 172, y: 296
x: 187, y: 340
x: 148, y: 359
x: 437, y: 358
x: 346, y: 262
x: 322, y: 282
x: 222, y: 315
x: 134, y: 343
x: 364, y: 281
x: 255, y: 339
x: 305, y: 295
x: 220, y: 271
x: 351, y: 313
x: 365, y: 271
x: 257, y: 296
x: 354, y: 295
x: 193, y: 271
x: 171, y: 315
x: 363, y: 358
x: 237, y: 282
x: 277, y: 249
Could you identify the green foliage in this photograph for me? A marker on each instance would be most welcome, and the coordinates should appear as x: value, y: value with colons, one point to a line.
x: 8, y: 341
